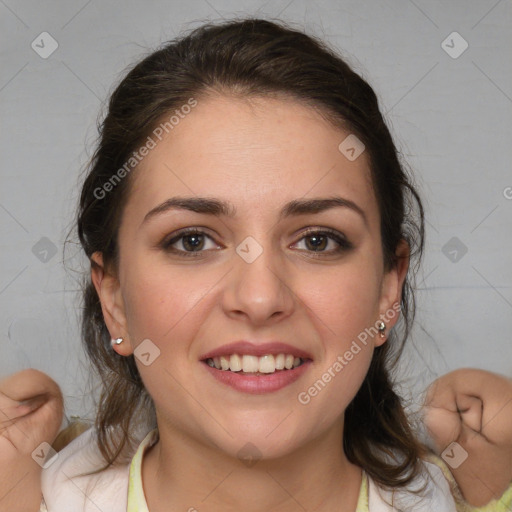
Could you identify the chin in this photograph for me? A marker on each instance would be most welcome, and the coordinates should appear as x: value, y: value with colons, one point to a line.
x: 265, y: 440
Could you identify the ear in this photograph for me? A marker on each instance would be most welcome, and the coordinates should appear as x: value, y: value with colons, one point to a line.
x: 112, y: 304
x: 391, y: 289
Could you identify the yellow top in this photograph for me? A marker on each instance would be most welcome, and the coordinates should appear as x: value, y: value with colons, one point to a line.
x: 137, y: 501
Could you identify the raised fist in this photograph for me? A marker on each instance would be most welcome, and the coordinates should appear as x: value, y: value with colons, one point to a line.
x: 31, y: 411
x: 473, y: 408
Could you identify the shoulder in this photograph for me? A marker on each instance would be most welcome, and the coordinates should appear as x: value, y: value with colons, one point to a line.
x: 429, y: 491
x: 64, y: 489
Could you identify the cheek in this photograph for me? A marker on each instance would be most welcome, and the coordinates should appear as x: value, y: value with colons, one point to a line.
x: 159, y: 301
x: 335, y: 383
x: 345, y: 301
x: 344, y: 308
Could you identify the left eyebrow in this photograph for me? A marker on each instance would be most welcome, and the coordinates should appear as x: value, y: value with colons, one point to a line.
x: 309, y: 206
x: 219, y: 207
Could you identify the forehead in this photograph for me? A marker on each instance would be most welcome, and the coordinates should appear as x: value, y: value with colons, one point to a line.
x: 252, y: 152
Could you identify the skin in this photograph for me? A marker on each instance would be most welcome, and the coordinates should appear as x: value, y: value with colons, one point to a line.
x: 269, y: 151
x: 188, y: 306
x: 474, y: 408
x: 22, y: 429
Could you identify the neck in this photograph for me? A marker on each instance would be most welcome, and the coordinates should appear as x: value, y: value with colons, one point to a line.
x: 180, y: 473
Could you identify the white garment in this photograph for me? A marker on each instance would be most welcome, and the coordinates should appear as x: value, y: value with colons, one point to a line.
x: 64, y: 492
x: 108, y: 490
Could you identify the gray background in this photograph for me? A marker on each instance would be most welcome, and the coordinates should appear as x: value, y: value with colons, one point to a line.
x: 451, y: 118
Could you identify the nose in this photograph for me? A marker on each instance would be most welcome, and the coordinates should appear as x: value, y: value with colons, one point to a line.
x: 258, y: 291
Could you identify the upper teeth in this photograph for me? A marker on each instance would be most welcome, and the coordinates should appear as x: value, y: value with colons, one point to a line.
x: 253, y: 364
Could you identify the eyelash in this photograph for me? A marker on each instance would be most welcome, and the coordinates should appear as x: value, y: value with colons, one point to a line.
x: 344, y: 244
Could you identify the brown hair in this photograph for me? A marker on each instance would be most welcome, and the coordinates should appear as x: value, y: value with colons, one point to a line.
x: 252, y: 57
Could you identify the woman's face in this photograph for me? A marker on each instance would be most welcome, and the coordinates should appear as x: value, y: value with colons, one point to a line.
x: 253, y: 273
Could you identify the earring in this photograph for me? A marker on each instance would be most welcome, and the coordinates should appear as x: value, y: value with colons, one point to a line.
x: 116, y: 341
x: 381, y: 327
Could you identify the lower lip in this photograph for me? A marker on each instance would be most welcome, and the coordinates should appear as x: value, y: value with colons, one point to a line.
x: 258, y: 384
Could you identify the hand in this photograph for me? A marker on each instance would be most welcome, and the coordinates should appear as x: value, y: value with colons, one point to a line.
x: 22, y: 429
x: 474, y: 408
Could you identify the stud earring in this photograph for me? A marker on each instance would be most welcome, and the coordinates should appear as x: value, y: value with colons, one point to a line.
x: 381, y: 327
x: 117, y: 341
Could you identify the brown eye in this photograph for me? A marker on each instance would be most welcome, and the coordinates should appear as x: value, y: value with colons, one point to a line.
x: 190, y: 242
x: 318, y: 241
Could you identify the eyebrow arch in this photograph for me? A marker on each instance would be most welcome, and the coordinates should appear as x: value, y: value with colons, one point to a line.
x: 218, y: 207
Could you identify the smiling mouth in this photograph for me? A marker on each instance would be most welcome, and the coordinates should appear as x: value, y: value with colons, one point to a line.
x: 252, y: 365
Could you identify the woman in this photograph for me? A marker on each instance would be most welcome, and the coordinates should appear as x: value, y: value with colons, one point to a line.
x: 251, y: 232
